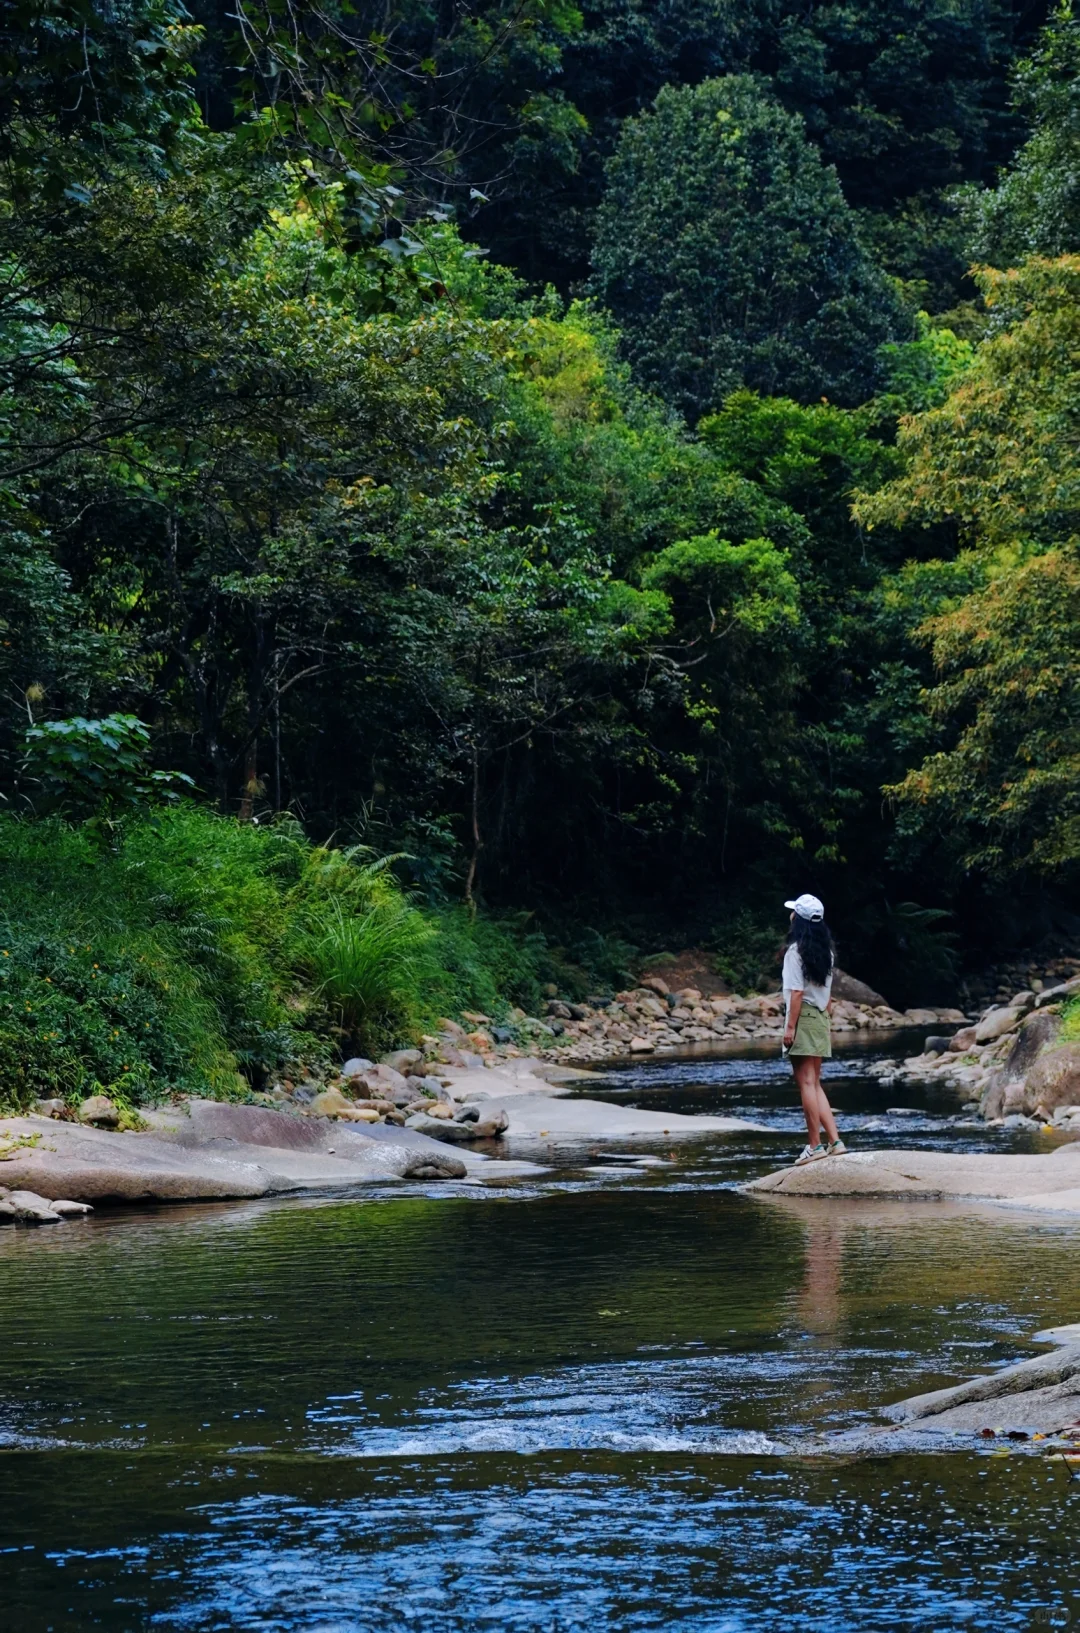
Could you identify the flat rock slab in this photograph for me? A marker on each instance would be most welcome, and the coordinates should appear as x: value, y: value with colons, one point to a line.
x: 218, y: 1152
x: 534, y: 1114
x: 1040, y: 1396
x: 1051, y: 1181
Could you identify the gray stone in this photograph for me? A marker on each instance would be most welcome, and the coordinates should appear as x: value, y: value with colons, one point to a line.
x: 961, y: 1041
x: 1054, y: 1080
x: 357, y: 1066
x: 1022, y: 1000
x: 491, y: 1125
x: 1038, y: 1033
x: 1040, y: 1395
x: 100, y: 1111
x: 28, y: 1208
x: 469, y: 1113
x: 436, y: 1128
x: 1054, y: 995
x: 856, y: 992
x: 401, y: 1058
x: 996, y: 1022
x: 71, y: 1210
x: 50, y: 1108
x: 936, y: 1046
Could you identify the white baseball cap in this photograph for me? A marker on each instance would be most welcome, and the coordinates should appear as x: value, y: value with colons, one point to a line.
x: 807, y: 907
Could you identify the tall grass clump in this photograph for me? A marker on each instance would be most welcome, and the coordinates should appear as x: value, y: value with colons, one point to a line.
x: 366, y: 950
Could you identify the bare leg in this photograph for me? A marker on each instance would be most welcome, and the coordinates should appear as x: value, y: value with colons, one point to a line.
x: 825, y: 1111
x: 815, y: 1103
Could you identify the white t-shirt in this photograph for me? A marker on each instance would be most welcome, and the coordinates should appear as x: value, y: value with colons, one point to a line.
x: 794, y: 980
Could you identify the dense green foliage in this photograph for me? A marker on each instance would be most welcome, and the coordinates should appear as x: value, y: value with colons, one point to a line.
x: 195, y: 953
x: 728, y: 255
x: 738, y: 573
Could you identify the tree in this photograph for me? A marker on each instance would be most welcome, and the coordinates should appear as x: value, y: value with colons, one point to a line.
x: 998, y: 459
x: 1035, y: 207
x: 728, y: 256
x: 1003, y: 796
x: 998, y: 793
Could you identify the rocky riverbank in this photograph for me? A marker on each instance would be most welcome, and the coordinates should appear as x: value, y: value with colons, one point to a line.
x: 652, y: 1019
x: 1013, y: 1066
x: 205, y: 1150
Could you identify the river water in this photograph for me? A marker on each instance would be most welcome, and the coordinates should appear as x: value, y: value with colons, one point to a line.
x: 600, y: 1397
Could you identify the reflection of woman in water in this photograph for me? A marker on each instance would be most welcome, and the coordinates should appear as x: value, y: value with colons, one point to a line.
x: 808, y: 974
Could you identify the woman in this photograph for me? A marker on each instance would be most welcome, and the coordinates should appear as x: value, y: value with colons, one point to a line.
x: 808, y: 973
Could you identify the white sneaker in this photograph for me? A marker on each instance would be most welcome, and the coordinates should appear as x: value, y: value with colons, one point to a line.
x: 810, y: 1153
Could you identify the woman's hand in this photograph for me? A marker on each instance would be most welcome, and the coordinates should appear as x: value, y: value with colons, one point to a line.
x: 789, y: 1037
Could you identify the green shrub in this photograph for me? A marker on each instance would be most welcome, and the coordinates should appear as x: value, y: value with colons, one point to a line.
x: 366, y: 961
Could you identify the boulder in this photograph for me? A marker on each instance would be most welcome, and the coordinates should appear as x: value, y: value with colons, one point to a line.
x: 1054, y: 995
x: 961, y: 1041
x: 936, y: 1046
x: 437, y: 1129
x: 1005, y: 1092
x: 688, y: 995
x: 50, y: 1108
x: 357, y: 1066
x: 1037, y: 1033
x: 920, y: 1017
x: 27, y: 1208
x: 1054, y: 1079
x: 100, y: 1111
x: 331, y: 1103
x: 855, y: 992
x: 996, y: 1022
x: 657, y: 984
x: 489, y: 1128
x: 401, y: 1059
x: 641, y: 1046
x: 71, y: 1210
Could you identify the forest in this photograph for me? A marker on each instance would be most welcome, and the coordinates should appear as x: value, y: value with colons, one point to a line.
x: 491, y: 491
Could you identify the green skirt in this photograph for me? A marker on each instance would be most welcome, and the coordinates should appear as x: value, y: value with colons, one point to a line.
x: 812, y: 1034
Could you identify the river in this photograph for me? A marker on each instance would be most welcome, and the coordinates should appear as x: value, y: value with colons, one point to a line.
x: 599, y: 1397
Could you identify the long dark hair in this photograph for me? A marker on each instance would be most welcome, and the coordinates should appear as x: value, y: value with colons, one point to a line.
x: 815, y: 943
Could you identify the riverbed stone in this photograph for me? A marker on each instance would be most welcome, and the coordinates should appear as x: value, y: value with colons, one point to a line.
x: 855, y: 991
x: 357, y: 1066
x: 27, y: 1208
x: 401, y: 1059
x: 1038, y: 1033
x: 99, y: 1110
x: 70, y: 1210
x: 962, y: 1041
x: 996, y: 1023
x: 1054, y: 1079
x: 331, y: 1103
x: 438, y: 1129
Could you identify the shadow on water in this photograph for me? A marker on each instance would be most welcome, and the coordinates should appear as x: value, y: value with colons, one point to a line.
x: 578, y: 1401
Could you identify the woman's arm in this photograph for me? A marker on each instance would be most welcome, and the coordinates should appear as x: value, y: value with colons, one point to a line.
x: 794, y: 1011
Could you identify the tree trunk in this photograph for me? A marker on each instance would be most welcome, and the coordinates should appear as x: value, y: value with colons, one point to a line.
x: 477, y: 845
